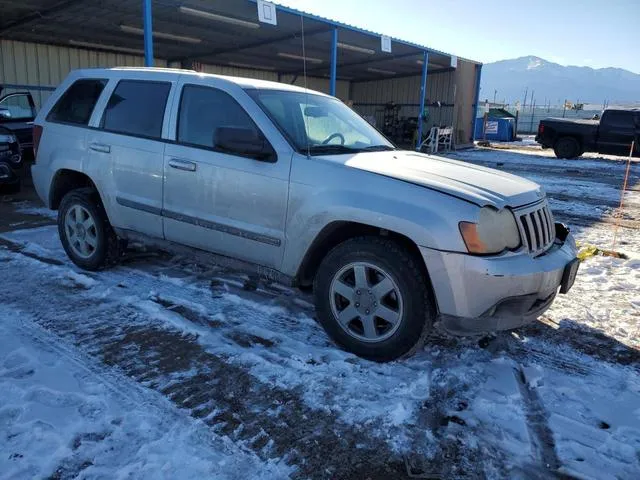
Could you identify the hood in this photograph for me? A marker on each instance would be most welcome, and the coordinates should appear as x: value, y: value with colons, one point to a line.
x: 480, y: 185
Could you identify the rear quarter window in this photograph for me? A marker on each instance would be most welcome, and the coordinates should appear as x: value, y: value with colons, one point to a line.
x: 136, y: 108
x: 77, y: 103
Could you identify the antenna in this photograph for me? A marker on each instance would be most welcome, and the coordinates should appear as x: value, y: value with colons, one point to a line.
x: 306, y: 91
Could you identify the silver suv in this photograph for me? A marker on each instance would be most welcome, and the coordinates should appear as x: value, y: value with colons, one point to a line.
x: 294, y: 185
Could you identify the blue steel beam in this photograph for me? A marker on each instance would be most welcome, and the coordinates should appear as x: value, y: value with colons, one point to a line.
x: 423, y: 96
x: 148, y: 33
x: 475, y: 105
x: 334, y: 62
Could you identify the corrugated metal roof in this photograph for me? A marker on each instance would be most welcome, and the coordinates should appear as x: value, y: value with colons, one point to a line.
x: 116, y: 25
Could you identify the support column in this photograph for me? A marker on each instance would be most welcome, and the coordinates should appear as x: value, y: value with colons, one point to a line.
x: 334, y: 62
x: 477, y: 99
x: 423, y: 96
x: 148, y: 33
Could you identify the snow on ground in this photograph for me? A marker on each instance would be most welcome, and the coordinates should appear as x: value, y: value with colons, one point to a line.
x: 28, y: 208
x: 62, y: 417
x: 270, y: 391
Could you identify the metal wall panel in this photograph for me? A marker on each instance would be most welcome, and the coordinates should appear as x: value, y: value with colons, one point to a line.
x: 320, y: 84
x: 239, y: 72
x: 38, y: 65
x: 454, y: 90
x: 465, y: 99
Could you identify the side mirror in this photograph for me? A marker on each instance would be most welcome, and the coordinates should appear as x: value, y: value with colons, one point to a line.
x: 246, y: 142
x: 5, y: 113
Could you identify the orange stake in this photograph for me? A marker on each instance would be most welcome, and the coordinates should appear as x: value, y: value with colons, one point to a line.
x: 624, y: 188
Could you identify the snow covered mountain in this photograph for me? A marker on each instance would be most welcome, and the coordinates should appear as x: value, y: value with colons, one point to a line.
x: 556, y: 83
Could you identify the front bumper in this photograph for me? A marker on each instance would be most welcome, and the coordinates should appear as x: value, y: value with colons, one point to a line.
x: 481, y: 294
x: 11, y: 155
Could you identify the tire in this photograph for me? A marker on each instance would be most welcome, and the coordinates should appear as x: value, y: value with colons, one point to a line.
x: 414, y: 306
x: 567, y: 147
x: 83, y: 207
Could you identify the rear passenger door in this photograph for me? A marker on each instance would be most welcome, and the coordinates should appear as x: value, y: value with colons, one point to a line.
x: 126, y: 151
x: 226, y: 203
x: 617, y: 131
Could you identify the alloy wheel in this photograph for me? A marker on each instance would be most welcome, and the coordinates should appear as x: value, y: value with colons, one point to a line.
x: 366, y: 302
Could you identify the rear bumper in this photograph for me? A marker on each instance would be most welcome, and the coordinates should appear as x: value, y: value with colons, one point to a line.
x: 545, y: 142
x: 481, y: 294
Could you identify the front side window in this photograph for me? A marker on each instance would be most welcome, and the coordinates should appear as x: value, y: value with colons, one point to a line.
x: 18, y: 106
x: 319, y: 124
x: 77, y: 103
x: 203, y: 110
x: 136, y: 108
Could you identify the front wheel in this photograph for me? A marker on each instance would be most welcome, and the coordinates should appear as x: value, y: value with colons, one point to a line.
x: 373, y: 299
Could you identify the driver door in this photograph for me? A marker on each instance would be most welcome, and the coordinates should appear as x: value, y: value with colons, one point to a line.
x: 225, y: 203
x: 17, y: 112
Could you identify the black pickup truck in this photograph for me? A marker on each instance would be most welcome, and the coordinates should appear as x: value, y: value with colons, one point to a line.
x: 612, y: 134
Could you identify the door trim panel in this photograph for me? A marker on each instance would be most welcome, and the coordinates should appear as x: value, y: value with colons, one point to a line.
x: 138, y: 206
x: 220, y: 227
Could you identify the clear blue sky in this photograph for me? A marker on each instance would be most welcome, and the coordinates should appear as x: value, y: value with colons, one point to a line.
x: 593, y: 33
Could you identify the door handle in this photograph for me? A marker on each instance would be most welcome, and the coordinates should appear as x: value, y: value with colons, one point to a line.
x: 100, y: 147
x: 182, y: 165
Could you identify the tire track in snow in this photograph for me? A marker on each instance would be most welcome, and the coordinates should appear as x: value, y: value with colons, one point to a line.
x: 543, y: 444
x: 268, y: 420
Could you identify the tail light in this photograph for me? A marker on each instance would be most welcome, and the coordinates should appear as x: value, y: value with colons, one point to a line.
x: 37, y: 134
x: 540, y: 129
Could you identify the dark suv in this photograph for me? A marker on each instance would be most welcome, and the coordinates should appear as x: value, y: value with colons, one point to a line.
x: 17, y: 112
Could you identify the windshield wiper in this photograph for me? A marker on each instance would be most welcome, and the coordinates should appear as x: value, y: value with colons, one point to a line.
x: 338, y: 149
x: 377, y: 148
x: 328, y: 149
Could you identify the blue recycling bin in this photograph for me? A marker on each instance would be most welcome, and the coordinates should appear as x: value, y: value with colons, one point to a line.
x: 498, y: 129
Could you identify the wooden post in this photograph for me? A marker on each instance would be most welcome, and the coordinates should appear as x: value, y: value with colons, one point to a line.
x: 484, y: 126
x: 624, y: 189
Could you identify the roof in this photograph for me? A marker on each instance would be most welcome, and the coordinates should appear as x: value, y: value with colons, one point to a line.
x: 243, y: 82
x: 221, y: 32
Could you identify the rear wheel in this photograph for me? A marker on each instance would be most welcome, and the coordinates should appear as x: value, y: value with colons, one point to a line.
x: 567, y: 147
x: 372, y: 299
x: 85, y: 231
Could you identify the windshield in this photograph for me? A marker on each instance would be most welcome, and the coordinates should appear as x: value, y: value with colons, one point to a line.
x: 319, y: 124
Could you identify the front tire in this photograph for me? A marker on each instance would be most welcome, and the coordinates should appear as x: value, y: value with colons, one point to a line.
x: 567, y: 147
x: 373, y: 299
x: 85, y: 231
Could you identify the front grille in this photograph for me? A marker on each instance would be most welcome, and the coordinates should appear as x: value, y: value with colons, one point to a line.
x: 537, y: 228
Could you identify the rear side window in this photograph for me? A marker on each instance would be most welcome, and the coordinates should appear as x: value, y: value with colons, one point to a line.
x: 203, y: 110
x: 137, y: 108
x: 619, y: 118
x: 77, y: 103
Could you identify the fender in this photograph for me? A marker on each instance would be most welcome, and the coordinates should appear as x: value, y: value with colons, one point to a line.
x: 422, y: 215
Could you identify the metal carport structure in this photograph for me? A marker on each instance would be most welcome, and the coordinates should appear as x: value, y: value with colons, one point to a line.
x: 227, y: 33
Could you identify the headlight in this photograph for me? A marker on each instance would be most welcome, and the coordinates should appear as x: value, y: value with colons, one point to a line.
x: 495, y: 231
x: 7, y: 138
